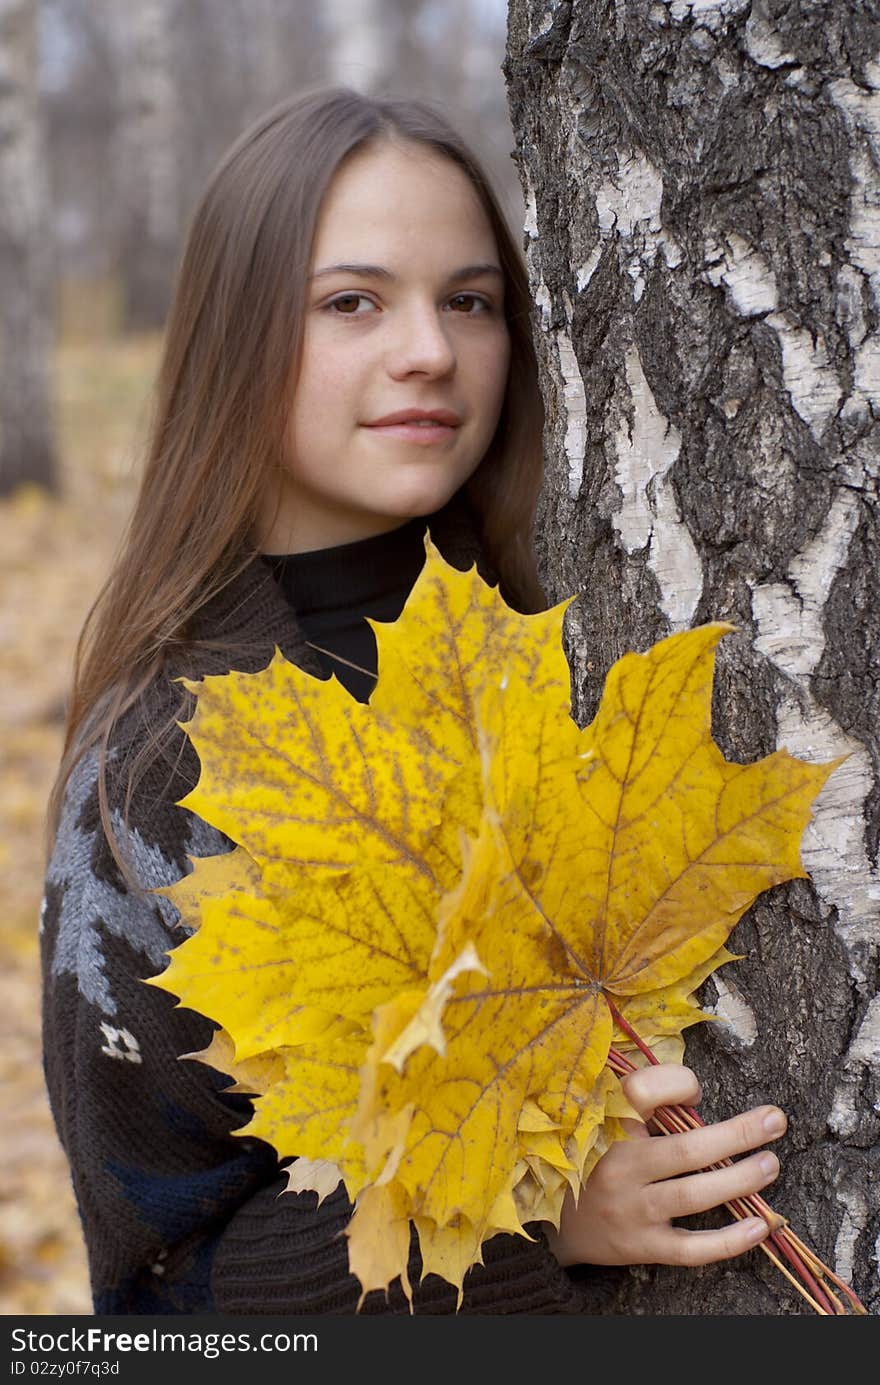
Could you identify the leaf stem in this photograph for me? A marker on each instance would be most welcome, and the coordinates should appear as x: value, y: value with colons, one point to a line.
x: 812, y: 1275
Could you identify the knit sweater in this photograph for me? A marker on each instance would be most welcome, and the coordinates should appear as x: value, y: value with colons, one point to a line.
x: 179, y: 1214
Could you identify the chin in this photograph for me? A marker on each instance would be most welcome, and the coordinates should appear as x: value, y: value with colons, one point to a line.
x: 424, y: 500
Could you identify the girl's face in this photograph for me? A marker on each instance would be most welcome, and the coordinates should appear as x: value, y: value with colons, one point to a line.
x: 404, y: 312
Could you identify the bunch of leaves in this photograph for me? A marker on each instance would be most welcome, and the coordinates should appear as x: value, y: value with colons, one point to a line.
x: 451, y: 914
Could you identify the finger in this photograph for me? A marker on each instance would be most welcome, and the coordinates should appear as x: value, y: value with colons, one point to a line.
x: 680, y: 1247
x: 661, y: 1084
x: 668, y: 1156
x: 700, y: 1192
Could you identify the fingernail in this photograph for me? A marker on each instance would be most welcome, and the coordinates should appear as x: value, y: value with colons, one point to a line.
x: 756, y: 1229
x: 774, y: 1123
x: 769, y: 1165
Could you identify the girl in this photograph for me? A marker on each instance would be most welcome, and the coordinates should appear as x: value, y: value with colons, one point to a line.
x: 347, y: 361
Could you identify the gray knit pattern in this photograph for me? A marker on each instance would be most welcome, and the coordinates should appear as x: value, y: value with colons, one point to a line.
x: 92, y: 909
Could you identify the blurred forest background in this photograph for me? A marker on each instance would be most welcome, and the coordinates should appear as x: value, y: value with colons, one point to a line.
x: 111, y: 118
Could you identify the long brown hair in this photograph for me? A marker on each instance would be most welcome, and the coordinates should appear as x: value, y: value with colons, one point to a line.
x: 222, y: 398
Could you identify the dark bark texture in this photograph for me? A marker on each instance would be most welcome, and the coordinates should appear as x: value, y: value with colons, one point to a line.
x: 703, y: 239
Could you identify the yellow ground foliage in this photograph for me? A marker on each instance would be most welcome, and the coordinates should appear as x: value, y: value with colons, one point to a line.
x: 54, y: 555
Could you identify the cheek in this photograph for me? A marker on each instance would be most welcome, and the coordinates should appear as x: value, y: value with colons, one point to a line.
x: 324, y: 383
x: 317, y: 368
x: 329, y: 347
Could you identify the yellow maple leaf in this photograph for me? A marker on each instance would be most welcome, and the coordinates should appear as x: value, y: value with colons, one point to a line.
x: 440, y: 899
x: 613, y: 869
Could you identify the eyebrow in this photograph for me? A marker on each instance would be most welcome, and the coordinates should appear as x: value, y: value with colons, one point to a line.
x: 375, y: 271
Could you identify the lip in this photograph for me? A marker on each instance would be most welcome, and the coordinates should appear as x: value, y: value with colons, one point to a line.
x: 445, y: 417
x: 420, y: 434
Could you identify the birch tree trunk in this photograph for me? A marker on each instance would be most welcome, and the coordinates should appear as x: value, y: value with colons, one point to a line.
x: 703, y: 237
x: 147, y: 164
x: 27, y: 450
x: 361, y: 47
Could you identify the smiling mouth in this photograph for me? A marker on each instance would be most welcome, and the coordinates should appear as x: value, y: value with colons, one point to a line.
x: 415, y: 430
x: 423, y: 417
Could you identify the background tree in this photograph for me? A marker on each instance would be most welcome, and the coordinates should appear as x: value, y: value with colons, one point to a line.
x: 703, y: 235
x: 147, y: 173
x: 27, y: 450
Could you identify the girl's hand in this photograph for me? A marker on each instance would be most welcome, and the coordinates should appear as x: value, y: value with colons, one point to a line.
x: 625, y: 1210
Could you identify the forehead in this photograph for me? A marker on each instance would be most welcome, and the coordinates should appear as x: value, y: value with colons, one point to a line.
x: 393, y: 193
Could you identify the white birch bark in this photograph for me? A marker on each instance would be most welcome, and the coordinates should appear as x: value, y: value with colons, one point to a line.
x: 361, y: 44
x: 703, y: 239
x: 147, y: 162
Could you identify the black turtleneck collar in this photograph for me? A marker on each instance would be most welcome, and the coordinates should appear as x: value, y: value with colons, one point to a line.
x: 352, y: 576
x: 289, y: 600
x: 331, y: 590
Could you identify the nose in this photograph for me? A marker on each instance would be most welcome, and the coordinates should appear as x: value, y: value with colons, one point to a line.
x: 420, y: 343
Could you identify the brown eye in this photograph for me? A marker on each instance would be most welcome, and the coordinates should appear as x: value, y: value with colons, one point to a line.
x: 480, y: 304
x: 345, y: 301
